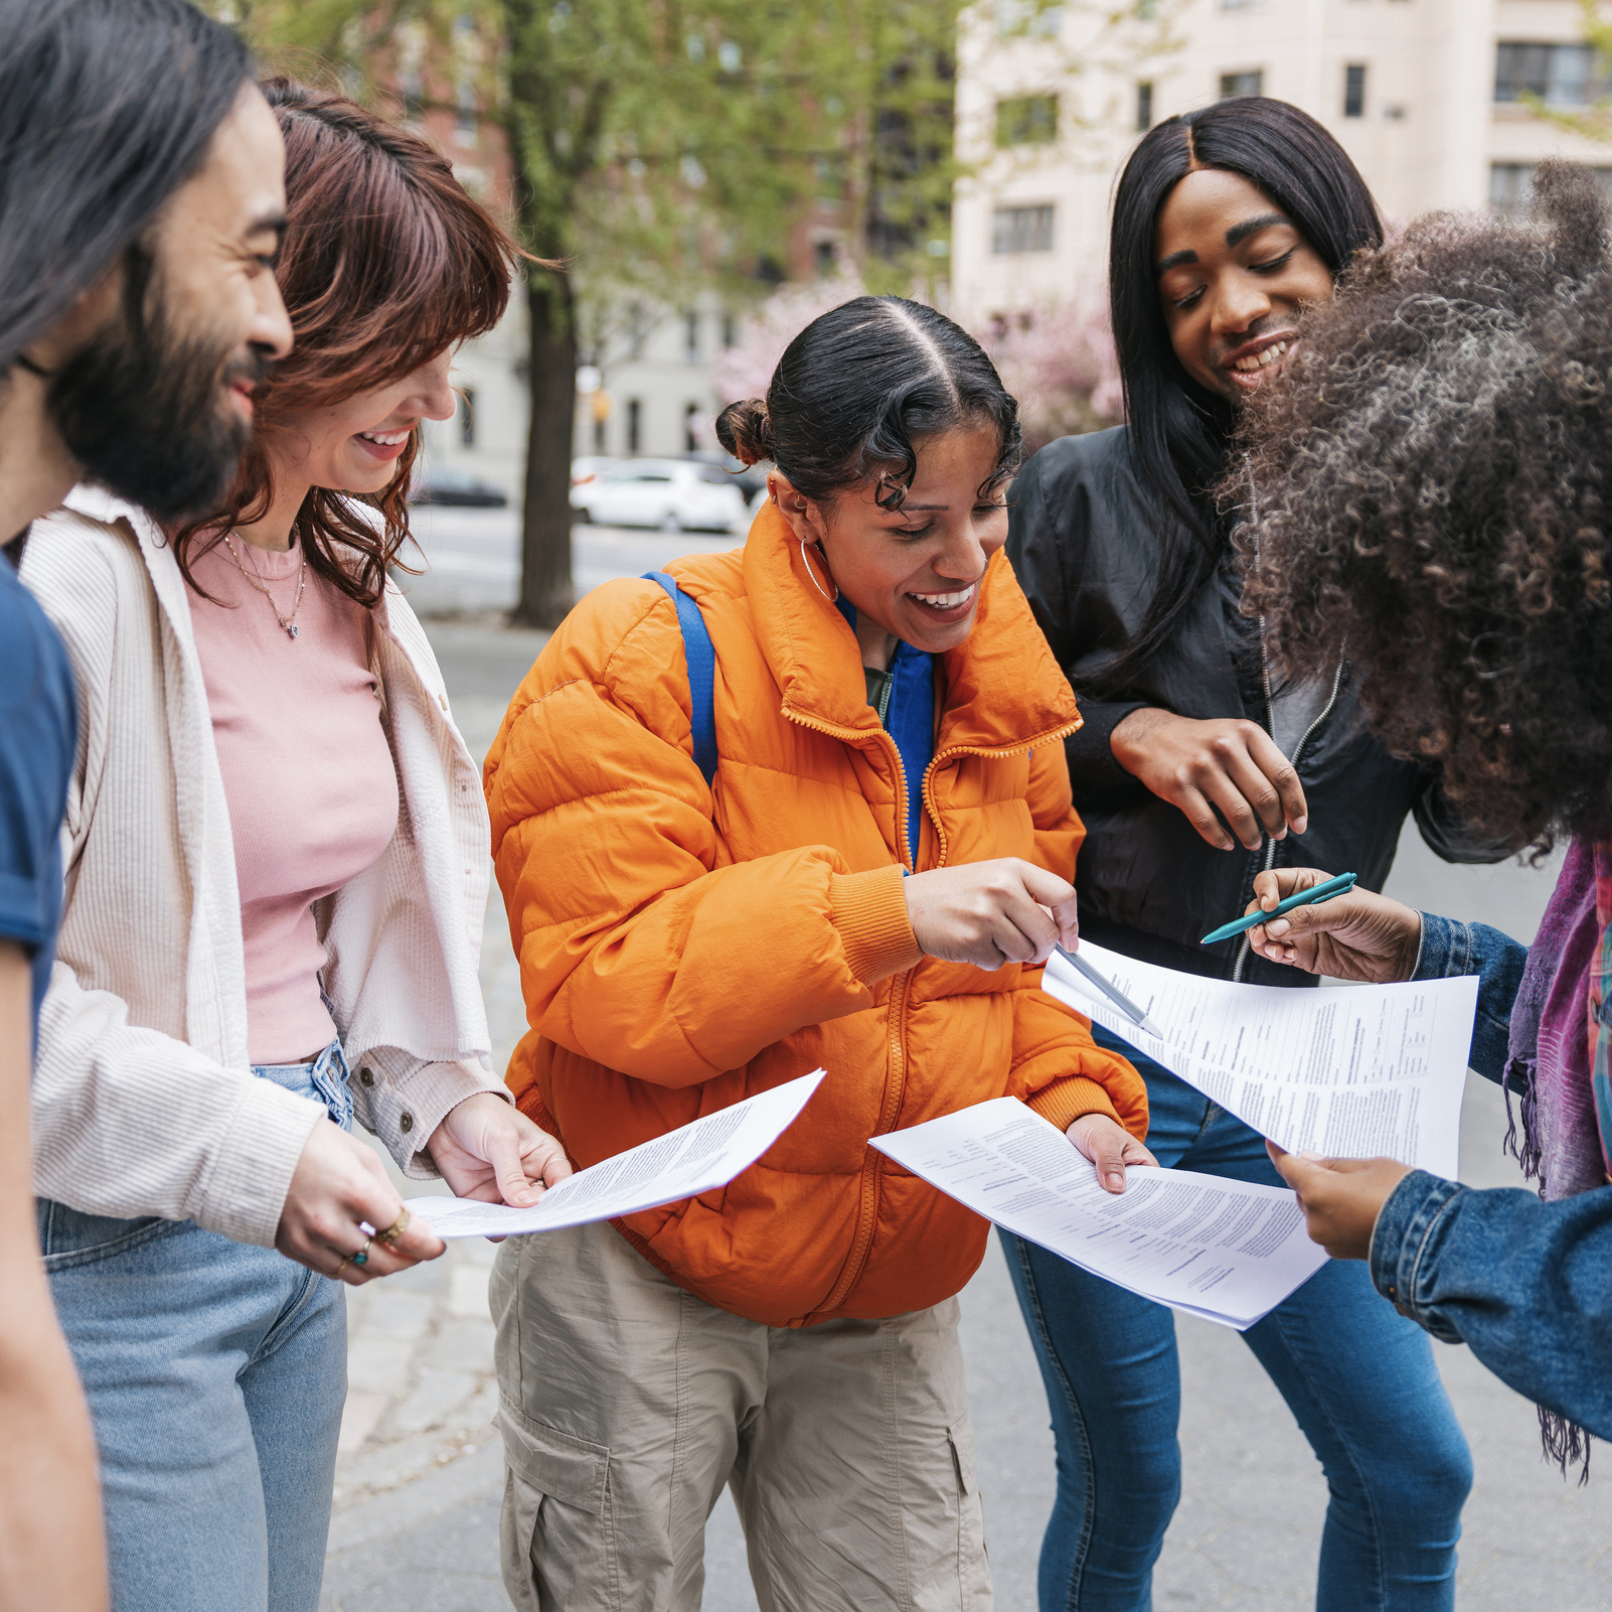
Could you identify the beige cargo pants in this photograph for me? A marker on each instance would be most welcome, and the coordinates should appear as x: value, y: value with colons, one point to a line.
x: 627, y: 1404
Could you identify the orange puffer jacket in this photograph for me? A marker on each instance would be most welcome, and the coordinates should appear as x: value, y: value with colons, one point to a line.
x: 682, y: 947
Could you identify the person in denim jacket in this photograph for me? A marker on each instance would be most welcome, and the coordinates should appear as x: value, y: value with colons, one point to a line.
x: 1431, y: 494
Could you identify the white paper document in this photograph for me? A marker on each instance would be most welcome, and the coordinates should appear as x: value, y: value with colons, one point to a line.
x: 694, y: 1158
x: 1229, y: 1251
x: 1353, y: 1073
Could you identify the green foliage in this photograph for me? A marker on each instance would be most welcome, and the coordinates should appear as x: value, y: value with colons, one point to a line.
x: 1027, y: 120
x: 665, y: 144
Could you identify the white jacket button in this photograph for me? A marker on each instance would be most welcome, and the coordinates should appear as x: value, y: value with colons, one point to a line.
x: 366, y: 1077
x: 406, y: 1123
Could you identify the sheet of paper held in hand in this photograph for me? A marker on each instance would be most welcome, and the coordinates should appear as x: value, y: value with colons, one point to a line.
x: 681, y: 1164
x: 1228, y: 1251
x: 1355, y: 1073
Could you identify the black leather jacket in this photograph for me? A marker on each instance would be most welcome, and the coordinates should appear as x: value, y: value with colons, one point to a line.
x: 1083, y: 538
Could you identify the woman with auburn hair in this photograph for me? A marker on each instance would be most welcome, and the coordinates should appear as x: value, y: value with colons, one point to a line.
x: 276, y: 874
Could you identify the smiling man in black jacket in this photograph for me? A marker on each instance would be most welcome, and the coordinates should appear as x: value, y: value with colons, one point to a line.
x: 1192, y: 773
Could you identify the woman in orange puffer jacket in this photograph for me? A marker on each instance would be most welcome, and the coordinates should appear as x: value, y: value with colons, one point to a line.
x: 870, y: 883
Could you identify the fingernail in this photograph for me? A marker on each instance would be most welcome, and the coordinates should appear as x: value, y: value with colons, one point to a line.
x: 1300, y: 824
x: 1305, y: 1153
x: 1116, y: 1180
x: 1278, y: 926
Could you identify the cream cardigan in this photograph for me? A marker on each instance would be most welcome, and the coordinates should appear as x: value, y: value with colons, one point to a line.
x: 144, y: 1102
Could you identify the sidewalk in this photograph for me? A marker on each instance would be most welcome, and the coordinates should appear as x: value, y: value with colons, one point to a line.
x: 420, y: 1476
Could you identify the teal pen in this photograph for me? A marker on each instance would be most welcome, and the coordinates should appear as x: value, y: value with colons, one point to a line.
x: 1319, y: 892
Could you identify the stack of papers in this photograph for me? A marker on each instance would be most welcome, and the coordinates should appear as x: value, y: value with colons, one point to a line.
x: 1364, y: 1072
x: 681, y: 1164
x: 1227, y: 1251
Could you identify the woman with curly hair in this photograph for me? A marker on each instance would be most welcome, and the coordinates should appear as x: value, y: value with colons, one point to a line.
x: 1435, y: 497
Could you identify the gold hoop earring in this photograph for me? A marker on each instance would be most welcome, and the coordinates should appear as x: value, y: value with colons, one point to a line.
x: 831, y: 597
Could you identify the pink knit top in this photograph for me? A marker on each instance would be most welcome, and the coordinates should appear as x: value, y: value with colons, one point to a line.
x: 308, y: 775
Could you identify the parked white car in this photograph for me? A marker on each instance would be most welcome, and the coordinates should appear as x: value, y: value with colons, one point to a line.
x: 676, y: 495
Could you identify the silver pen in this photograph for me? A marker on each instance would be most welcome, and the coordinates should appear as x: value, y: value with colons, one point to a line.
x: 1111, y: 991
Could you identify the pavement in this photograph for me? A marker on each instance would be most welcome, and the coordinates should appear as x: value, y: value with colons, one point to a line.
x: 419, y: 1477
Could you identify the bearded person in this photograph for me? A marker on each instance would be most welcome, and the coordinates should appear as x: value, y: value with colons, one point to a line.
x: 140, y: 204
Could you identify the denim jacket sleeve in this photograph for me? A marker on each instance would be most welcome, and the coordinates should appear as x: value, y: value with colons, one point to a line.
x: 1523, y: 1283
x: 1449, y: 948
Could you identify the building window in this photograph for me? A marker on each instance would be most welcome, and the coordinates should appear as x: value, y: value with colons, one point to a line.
x: 1558, y: 75
x: 691, y: 336
x: 1022, y: 229
x: 1144, y: 107
x: 824, y: 261
x: 730, y: 329
x: 691, y: 424
x: 1027, y: 120
x: 1233, y: 85
x: 635, y: 424
x: 599, y: 423
x: 467, y: 418
x: 1354, y: 91
x: 1510, y: 185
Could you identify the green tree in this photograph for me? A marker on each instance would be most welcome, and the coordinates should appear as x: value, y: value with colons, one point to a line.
x: 660, y: 146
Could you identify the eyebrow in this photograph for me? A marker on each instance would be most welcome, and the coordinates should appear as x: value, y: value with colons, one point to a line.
x: 267, y: 221
x: 1238, y: 233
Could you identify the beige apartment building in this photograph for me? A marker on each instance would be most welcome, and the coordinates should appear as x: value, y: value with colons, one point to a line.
x: 1434, y: 99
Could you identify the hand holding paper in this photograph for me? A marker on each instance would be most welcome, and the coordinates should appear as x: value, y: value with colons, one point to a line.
x: 694, y: 1158
x: 1228, y: 1251
x: 1375, y: 1070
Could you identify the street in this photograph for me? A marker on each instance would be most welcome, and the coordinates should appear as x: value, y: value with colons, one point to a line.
x: 420, y: 1475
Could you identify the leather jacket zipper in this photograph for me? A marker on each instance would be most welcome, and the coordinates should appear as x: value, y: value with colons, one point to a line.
x: 1298, y: 750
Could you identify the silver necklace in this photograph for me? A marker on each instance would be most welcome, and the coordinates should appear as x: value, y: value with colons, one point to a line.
x: 288, y: 624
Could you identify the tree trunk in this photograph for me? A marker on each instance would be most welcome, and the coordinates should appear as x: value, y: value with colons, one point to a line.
x: 546, y: 592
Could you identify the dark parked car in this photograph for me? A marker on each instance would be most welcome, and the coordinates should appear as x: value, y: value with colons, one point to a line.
x: 452, y: 486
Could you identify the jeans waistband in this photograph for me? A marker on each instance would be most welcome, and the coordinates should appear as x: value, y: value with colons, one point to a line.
x: 324, y: 1079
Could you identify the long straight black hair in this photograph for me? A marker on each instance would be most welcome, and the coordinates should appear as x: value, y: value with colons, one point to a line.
x: 1178, y: 429
x: 106, y: 108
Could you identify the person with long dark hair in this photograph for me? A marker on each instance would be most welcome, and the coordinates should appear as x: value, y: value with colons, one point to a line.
x: 1433, y: 494
x: 831, y: 847
x: 1197, y: 768
x: 132, y: 141
x: 278, y: 886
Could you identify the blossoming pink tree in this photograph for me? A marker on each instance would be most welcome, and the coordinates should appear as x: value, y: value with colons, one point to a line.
x: 1056, y: 358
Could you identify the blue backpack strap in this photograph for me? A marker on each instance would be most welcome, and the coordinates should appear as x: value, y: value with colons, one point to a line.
x: 700, y: 653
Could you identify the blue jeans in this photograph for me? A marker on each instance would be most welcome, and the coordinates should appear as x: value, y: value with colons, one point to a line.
x: 1359, y: 1379
x: 216, y: 1374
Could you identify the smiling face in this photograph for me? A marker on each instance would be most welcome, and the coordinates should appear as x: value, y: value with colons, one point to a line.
x: 353, y: 446
x: 1234, y: 275
x: 913, y: 573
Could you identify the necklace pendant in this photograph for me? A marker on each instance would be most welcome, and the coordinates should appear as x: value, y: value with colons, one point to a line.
x: 291, y: 629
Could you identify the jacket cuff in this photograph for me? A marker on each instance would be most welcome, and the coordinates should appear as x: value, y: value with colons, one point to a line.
x: 869, y: 912
x: 404, y: 1106
x: 1444, y: 950
x: 1401, y: 1242
x: 1090, y: 749
x: 243, y: 1195
x: 1071, y: 1098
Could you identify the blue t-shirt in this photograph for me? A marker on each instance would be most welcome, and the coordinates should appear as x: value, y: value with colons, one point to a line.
x: 38, y: 734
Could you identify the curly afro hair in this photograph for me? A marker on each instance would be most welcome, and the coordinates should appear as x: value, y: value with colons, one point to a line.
x: 1430, y: 495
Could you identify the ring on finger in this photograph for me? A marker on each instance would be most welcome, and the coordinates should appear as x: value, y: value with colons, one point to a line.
x: 362, y: 1256
x: 393, y: 1234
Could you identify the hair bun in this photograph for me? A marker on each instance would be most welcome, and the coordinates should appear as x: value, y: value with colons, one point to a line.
x: 745, y: 431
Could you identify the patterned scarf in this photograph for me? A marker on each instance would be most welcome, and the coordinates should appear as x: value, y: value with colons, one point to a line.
x: 1560, y: 1056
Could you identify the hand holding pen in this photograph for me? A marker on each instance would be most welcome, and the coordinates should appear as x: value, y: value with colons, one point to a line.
x: 1357, y: 936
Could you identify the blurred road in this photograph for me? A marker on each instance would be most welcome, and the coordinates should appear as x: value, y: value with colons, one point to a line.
x: 420, y: 1476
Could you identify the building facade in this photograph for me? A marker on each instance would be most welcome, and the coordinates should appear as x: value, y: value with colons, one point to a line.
x: 1436, y: 101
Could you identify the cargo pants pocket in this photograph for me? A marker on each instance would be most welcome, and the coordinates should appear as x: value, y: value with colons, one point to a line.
x: 973, y: 1568
x: 558, y: 1529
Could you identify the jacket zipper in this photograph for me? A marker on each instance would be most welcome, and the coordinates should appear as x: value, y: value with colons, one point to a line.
x: 895, y: 1084
x: 1298, y: 750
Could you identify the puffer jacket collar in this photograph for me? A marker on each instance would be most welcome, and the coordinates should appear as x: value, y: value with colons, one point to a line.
x: 1004, y: 691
